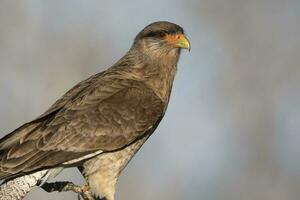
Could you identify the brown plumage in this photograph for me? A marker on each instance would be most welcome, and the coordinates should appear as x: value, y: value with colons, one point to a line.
x: 100, y: 123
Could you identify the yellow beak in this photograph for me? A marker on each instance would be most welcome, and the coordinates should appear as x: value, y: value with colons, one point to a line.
x: 183, y: 42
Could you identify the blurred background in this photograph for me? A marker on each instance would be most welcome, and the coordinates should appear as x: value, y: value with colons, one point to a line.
x: 232, y: 127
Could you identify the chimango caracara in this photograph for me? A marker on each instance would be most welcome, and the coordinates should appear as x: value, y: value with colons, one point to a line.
x: 100, y: 123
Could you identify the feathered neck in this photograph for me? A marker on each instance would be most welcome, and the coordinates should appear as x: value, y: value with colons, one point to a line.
x: 156, y: 68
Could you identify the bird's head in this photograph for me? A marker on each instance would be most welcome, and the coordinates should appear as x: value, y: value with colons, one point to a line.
x: 161, y: 40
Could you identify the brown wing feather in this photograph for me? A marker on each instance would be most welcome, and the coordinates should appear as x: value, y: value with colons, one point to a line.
x: 71, y: 94
x: 14, y: 137
x: 108, y: 115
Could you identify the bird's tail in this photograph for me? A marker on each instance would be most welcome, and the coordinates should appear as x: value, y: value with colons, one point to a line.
x: 17, y: 188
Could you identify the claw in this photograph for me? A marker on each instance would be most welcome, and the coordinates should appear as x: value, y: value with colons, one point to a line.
x: 85, y: 188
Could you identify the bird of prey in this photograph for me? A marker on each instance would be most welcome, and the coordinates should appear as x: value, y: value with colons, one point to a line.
x: 100, y: 123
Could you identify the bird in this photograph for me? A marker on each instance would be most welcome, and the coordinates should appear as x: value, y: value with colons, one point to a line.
x: 100, y: 123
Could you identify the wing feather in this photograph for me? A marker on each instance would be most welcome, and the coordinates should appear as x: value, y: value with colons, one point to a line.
x: 103, y: 114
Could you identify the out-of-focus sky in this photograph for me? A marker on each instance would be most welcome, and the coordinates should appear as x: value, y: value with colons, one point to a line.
x: 232, y: 129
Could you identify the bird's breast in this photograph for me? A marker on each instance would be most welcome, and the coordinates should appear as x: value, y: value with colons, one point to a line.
x: 103, y: 171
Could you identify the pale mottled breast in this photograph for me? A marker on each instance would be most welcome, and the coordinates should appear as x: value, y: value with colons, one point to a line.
x: 103, y: 171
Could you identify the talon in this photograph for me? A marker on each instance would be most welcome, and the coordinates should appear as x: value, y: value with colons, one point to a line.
x: 85, y: 188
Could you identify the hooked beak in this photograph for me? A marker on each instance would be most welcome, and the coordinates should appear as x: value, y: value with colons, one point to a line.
x: 178, y: 40
x: 183, y: 42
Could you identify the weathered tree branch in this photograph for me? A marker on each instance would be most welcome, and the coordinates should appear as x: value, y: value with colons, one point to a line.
x: 65, y: 186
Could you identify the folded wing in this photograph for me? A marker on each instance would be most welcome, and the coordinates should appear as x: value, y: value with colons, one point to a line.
x: 103, y: 114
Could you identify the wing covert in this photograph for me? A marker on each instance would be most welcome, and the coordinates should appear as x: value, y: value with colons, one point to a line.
x: 104, y: 119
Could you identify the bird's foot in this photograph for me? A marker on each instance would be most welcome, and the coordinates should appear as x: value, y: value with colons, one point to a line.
x: 64, y: 186
x: 85, y: 193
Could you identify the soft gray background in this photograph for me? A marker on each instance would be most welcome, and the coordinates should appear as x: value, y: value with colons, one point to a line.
x: 232, y: 128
